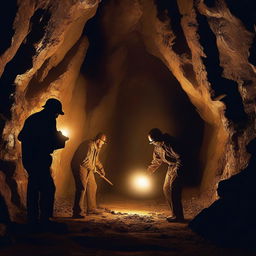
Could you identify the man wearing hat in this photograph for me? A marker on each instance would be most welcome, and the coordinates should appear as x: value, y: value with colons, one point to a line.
x: 39, y: 138
x: 165, y: 151
x: 84, y: 164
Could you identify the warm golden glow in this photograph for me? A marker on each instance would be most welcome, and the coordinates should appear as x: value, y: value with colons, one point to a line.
x: 131, y: 212
x: 141, y: 183
x: 65, y: 132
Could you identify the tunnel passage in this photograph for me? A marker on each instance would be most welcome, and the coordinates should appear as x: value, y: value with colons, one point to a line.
x: 123, y: 90
x: 128, y: 92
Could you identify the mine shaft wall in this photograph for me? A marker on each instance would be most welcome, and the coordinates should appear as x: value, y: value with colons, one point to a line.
x: 198, y: 42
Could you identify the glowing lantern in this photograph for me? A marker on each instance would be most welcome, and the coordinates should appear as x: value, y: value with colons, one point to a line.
x: 141, y: 183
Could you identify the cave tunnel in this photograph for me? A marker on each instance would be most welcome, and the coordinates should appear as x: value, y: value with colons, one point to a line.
x: 111, y: 78
x: 123, y: 67
x: 125, y: 92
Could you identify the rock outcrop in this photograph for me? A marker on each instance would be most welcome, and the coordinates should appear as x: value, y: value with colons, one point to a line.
x: 43, y: 59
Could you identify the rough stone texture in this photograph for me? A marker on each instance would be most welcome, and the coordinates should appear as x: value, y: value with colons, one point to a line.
x: 118, y: 230
x: 218, y: 78
x: 55, y: 62
x: 229, y: 221
x: 190, y: 72
x: 200, y: 45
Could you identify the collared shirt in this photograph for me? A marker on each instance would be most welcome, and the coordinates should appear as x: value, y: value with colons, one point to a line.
x: 164, y: 153
x: 91, y: 160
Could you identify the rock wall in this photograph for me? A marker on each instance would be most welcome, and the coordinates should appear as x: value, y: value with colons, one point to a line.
x: 214, y: 70
x: 42, y: 61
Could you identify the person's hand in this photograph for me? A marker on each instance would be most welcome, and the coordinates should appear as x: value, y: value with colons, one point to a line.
x: 102, y: 172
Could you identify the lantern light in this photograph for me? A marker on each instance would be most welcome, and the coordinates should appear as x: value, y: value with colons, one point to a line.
x: 141, y: 183
x: 65, y: 132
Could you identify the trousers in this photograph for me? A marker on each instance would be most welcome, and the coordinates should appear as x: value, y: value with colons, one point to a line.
x: 172, y: 189
x: 86, y: 189
x: 40, y: 189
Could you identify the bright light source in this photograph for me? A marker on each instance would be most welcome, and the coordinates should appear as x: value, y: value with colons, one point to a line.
x: 65, y: 132
x: 141, y: 183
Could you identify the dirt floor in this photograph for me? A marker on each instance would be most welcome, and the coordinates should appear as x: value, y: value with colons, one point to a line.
x: 123, y: 228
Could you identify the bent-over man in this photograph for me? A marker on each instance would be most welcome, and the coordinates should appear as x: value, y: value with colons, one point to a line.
x: 84, y: 164
x: 164, y: 153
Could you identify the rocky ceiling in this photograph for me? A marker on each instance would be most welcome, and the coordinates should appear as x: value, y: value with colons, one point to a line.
x: 208, y: 47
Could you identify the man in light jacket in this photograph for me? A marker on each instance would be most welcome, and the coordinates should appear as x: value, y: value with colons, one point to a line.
x: 84, y: 164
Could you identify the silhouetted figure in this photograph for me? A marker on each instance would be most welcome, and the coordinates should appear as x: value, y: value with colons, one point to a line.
x: 39, y: 138
x: 165, y: 152
x: 230, y: 220
x: 84, y: 164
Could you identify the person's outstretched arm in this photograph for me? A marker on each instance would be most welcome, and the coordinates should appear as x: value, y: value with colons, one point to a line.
x: 156, y: 162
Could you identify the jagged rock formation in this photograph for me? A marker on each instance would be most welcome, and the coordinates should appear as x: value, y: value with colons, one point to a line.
x: 229, y: 221
x: 43, y: 59
x: 206, y: 45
